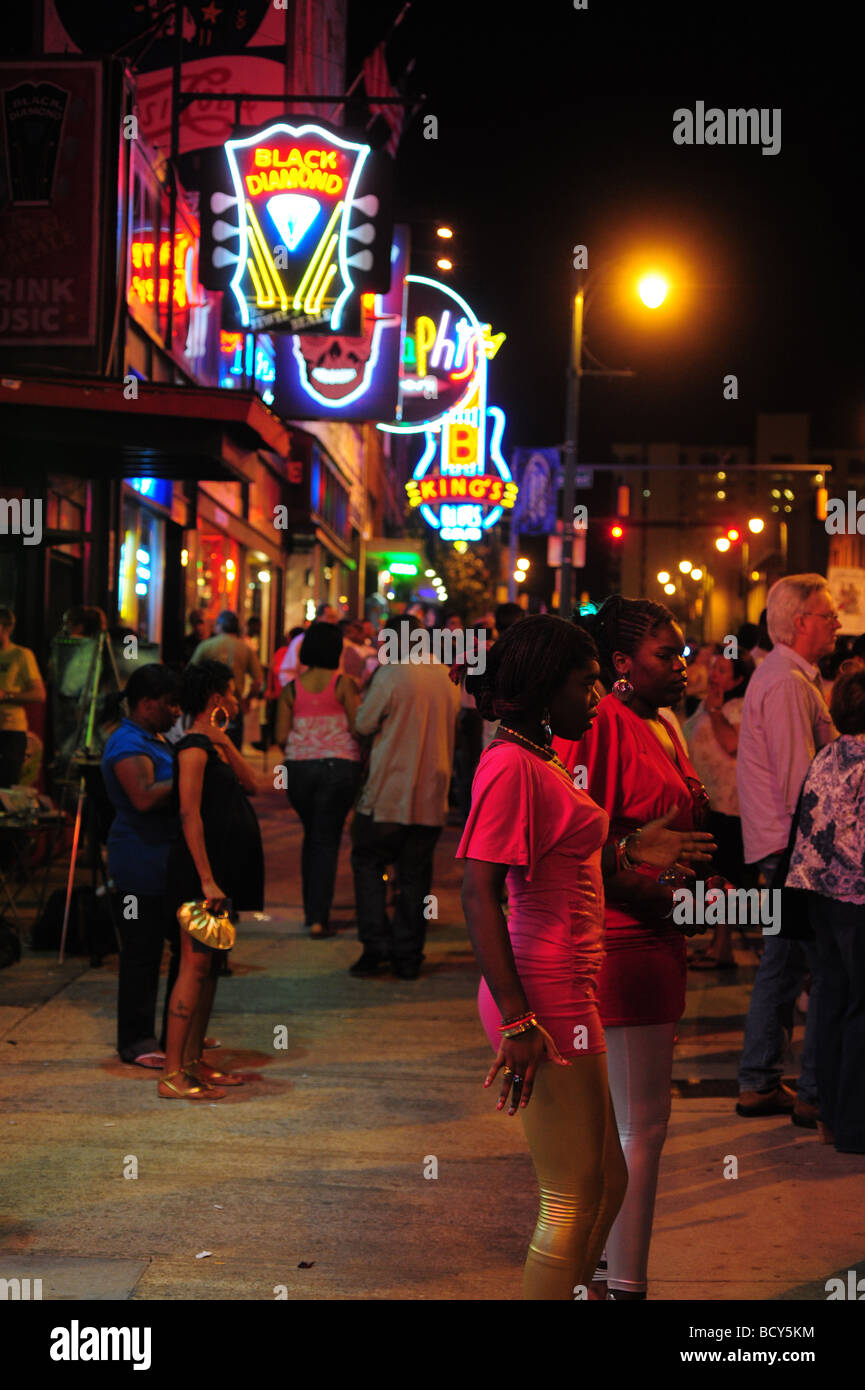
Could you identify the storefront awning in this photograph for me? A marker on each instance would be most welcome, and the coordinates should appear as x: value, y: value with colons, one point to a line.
x: 180, y: 432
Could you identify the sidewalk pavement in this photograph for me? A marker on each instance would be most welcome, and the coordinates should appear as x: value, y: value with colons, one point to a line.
x: 363, y: 1159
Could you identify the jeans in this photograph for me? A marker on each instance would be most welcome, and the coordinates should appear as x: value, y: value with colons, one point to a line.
x: 322, y: 792
x: 378, y: 844
x: 13, y: 748
x: 780, y: 975
x: 138, y: 977
x: 840, y: 928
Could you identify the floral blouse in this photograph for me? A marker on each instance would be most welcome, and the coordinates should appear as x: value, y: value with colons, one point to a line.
x: 829, y: 853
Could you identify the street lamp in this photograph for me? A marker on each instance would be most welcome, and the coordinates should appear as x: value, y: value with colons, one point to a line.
x: 685, y: 566
x: 652, y: 290
x: 444, y: 264
x: 697, y: 575
x: 669, y: 588
x: 446, y: 233
x: 755, y: 525
x: 722, y: 544
x: 663, y: 576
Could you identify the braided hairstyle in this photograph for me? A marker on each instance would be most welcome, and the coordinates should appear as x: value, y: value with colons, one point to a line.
x: 528, y: 664
x: 620, y: 626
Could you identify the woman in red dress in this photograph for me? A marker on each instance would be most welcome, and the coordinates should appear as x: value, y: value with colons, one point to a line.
x: 530, y: 824
x: 634, y: 765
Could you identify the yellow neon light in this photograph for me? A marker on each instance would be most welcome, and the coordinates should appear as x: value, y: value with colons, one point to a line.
x: 316, y: 279
x: 260, y: 299
x: 425, y: 336
x: 307, y: 275
x: 331, y: 271
x: 271, y: 272
x: 268, y: 292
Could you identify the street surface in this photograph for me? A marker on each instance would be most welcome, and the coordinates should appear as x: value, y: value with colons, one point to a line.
x: 323, y: 1158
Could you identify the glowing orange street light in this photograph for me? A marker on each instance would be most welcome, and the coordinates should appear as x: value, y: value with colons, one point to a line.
x: 444, y: 232
x: 652, y: 289
x: 755, y: 525
x: 616, y: 532
x: 732, y: 534
x: 444, y: 264
x: 722, y: 544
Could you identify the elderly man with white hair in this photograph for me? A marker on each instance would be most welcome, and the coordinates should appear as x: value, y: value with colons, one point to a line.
x: 785, y: 721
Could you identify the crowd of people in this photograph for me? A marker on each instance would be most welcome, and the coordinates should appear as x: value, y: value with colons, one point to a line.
x: 590, y: 812
x: 596, y: 766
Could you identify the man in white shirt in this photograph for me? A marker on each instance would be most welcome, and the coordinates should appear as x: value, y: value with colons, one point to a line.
x: 785, y: 720
x: 411, y: 708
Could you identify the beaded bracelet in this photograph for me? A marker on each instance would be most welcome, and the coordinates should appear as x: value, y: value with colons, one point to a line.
x: 513, y: 1030
x: 518, y: 1018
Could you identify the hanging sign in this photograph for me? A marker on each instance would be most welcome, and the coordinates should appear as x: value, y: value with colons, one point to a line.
x: 294, y: 228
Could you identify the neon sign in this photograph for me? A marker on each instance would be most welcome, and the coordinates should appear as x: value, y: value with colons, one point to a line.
x: 461, y: 483
x: 247, y: 360
x: 347, y: 376
x: 147, y: 274
x: 305, y: 239
x: 443, y: 355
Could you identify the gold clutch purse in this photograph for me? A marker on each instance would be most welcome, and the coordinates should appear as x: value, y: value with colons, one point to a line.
x: 213, y: 929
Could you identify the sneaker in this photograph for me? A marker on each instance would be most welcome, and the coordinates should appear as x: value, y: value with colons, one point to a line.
x: 779, y: 1101
x: 367, y: 964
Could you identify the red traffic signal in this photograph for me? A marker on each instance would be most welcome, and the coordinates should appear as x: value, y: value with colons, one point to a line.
x: 617, y: 532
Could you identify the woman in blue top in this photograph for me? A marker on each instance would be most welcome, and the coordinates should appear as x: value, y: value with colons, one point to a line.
x: 138, y: 771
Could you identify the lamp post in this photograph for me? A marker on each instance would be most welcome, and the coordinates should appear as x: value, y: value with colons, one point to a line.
x: 572, y: 423
x: 652, y: 290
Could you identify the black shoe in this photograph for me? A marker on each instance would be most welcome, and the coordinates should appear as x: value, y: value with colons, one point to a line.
x: 406, y: 969
x: 367, y: 964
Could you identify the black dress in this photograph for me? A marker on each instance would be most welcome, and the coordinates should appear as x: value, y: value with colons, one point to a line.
x: 231, y: 837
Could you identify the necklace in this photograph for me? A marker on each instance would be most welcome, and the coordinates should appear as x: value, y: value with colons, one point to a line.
x: 548, y: 754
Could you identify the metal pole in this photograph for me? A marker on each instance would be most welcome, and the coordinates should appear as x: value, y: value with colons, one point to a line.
x: 513, y: 547
x: 572, y: 425
x: 176, y: 71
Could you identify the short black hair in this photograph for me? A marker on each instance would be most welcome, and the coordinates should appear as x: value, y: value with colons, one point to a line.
x: 200, y: 680
x: 321, y: 646
x: 151, y: 682
x: 528, y: 664
x: 747, y: 635
x: 227, y: 622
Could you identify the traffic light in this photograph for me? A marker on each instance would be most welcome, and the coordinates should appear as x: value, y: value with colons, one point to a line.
x: 617, y: 533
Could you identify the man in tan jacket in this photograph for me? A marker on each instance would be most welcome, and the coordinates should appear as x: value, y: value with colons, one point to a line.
x: 411, y: 708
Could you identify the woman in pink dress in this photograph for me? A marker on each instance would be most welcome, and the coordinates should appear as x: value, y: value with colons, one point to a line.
x: 531, y: 825
x: 634, y: 765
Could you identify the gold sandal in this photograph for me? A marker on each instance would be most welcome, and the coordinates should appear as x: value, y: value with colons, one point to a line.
x: 216, y: 1078
x: 192, y: 1093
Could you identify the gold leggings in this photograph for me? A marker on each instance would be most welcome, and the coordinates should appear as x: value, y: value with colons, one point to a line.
x: 571, y: 1129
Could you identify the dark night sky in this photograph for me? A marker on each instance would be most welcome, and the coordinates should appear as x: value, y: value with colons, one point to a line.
x: 556, y: 128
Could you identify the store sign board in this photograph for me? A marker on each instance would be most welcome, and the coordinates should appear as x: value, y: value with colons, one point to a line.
x: 461, y: 484
x: 294, y: 219
x: 50, y: 161
x: 323, y: 376
x: 444, y: 350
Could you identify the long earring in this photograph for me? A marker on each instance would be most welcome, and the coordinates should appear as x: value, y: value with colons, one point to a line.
x: 217, y: 710
x: 622, y: 689
x: 545, y: 725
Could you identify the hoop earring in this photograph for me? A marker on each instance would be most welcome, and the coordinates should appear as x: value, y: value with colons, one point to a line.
x: 622, y: 689
x: 217, y: 710
x: 545, y: 725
